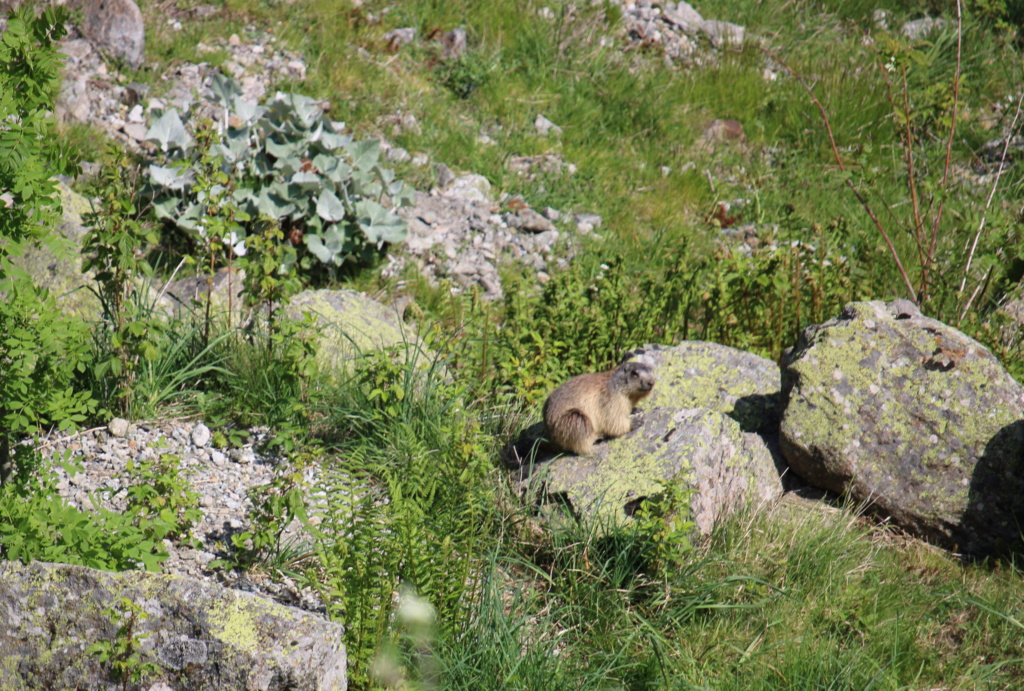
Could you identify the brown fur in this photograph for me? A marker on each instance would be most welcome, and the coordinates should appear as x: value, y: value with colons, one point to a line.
x: 591, y: 406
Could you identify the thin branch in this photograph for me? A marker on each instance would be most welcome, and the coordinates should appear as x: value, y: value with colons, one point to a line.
x: 51, y: 442
x: 849, y: 182
x: 992, y: 192
x: 981, y: 284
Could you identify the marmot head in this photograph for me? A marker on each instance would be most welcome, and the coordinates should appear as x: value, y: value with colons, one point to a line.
x: 634, y: 379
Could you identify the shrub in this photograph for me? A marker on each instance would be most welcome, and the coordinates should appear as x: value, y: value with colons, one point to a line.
x: 285, y: 161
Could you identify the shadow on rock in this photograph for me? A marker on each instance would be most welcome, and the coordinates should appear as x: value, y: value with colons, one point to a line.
x: 993, y: 522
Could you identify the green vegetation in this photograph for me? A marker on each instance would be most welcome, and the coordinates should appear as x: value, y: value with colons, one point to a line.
x: 865, y: 174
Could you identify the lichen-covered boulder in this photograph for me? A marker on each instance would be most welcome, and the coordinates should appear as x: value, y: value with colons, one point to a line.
x: 913, y: 418
x: 698, y: 374
x: 199, y: 635
x: 351, y: 323
x: 697, y: 448
x: 707, y: 427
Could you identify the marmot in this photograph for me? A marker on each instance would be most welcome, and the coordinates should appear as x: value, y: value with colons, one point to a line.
x: 590, y: 406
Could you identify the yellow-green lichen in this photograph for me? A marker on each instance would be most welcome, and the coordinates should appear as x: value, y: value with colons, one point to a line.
x: 868, y: 394
x: 350, y: 323
x: 233, y: 621
x: 708, y: 375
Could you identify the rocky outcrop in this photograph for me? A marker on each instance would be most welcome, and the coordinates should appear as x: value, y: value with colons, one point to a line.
x: 912, y: 418
x: 707, y: 427
x: 198, y: 635
x: 115, y: 27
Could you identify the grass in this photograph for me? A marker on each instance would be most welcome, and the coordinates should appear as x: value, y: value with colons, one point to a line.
x: 795, y: 597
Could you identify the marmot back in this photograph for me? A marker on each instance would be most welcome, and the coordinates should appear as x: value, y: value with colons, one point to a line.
x: 591, y: 406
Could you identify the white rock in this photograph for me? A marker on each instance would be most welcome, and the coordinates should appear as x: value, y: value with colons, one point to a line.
x: 118, y: 427
x: 546, y: 127
x: 723, y: 34
x: 684, y: 16
x: 200, y: 435
x: 470, y: 188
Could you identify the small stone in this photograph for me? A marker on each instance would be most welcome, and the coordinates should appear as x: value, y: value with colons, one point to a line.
x: 593, y: 220
x: 397, y: 155
x: 217, y: 457
x: 136, y: 114
x: 242, y: 456
x: 919, y: 28
x: 552, y: 214
x: 723, y: 130
x: 118, y: 427
x: 543, y: 277
x: 546, y: 127
x: 454, y: 44
x: 397, y: 38
x: 547, y: 239
x: 444, y: 175
x: 684, y: 16
x: 234, y: 41
x: 469, y: 188
x: 200, y: 435
x: 533, y: 221
x: 136, y: 131
x: 116, y: 27
x: 420, y: 160
x: 723, y: 34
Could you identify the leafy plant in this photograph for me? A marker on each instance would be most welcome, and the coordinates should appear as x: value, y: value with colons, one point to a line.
x: 275, y: 505
x: 408, y: 505
x: 36, y: 524
x: 161, y: 500
x: 285, y: 161
x: 40, y: 347
x: 113, y: 249
x: 121, y: 653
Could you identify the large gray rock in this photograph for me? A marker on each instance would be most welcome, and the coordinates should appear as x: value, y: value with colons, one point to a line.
x: 351, y: 323
x: 115, y: 27
x: 700, y: 449
x: 200, y: 635
x: 913, y: 418
x: 707, y: 427
x: 698, y: 374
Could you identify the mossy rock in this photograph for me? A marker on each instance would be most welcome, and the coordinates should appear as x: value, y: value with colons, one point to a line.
x: 699, y: 374
x: 351, y: 323
x: 913, y: 418
x: 698, y: 449
x: 198, y: 634
x: 708, y: 427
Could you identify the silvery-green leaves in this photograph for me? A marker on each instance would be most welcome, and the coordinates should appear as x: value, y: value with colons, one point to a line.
x: 288, y: 162
x: 169, y: 133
